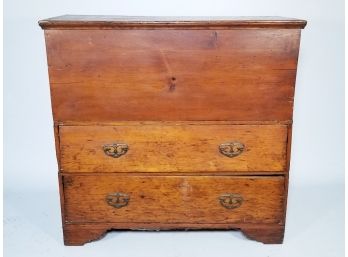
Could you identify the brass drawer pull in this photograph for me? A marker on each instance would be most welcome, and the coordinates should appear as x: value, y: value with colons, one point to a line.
x: 231, y: 149
x: 117, y: 200
x: 115, y: 150
x: 231, y: 201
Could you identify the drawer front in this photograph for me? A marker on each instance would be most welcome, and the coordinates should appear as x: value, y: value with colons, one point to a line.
x: 113, y: 75
x: 173, y: 148
x: 173, y: 199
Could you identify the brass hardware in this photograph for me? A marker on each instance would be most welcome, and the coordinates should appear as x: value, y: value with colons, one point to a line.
x: 231, y: 201
x: 231, y: 149
x: 115, y: 150
x: 117, y: 200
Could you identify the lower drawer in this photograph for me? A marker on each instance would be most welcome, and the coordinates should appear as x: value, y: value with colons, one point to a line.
x: 173, y: 199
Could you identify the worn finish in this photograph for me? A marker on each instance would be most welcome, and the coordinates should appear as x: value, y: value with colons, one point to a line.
x: 174, y: 199
x: 190, y: 75
x: 173, y: 148
x: 172, y: 122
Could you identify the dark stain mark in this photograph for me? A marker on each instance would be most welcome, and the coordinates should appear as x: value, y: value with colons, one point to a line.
x: 68, y: 181
x: 92, y: 151
x: 172, y: 84
x: 213, y: 41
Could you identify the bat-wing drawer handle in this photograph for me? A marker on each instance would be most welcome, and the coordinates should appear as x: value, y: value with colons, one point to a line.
x: 231, y: 201
x: 117, y: 200
x: 115, y: 150
x: 231, y: 149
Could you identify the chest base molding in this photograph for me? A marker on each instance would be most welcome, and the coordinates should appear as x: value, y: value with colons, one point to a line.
x: 80, y: 234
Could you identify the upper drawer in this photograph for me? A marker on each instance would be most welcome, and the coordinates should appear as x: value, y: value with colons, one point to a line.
x: 111, y: 75
x: 173, y: 148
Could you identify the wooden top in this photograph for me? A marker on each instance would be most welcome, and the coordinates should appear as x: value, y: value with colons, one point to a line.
x: 114, y: 22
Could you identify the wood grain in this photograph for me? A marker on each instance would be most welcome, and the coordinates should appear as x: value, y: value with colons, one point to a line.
x: 173, y: 148
x: 125, y: 75
x: 173, y: 199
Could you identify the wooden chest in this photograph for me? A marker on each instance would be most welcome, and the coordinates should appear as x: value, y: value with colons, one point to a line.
x: 172, y: 123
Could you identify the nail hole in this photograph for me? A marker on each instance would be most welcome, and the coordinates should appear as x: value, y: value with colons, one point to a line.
x: 173, y: 78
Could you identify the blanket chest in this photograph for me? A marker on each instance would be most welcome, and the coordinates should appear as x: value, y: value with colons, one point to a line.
x: 172, y: 122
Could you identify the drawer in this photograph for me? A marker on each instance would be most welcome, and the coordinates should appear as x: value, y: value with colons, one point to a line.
x: 173, y: 199
x: 173, y: 148
x: 157, y: 75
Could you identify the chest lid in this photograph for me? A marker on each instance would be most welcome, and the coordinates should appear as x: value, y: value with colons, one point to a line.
x: 114, y: 22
